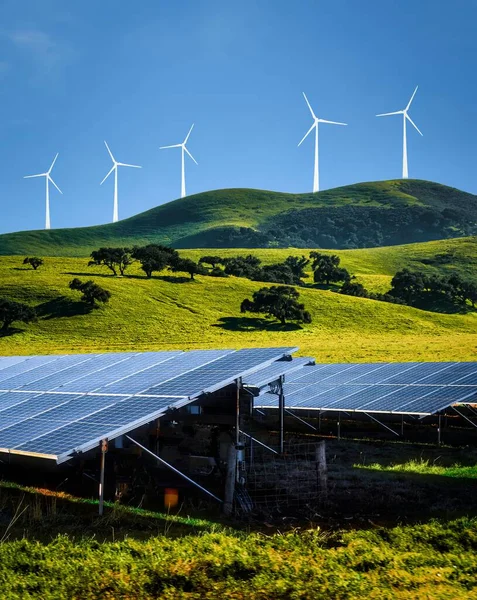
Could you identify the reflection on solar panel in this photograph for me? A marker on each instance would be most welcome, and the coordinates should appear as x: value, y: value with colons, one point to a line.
x: 275, y: 370
x: 57, y: 405
x: 408, y: 388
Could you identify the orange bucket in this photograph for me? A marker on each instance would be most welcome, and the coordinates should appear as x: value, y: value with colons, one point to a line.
x: 171, y: 498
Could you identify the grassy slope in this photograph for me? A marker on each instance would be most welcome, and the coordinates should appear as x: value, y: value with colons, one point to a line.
x: 162, y: 313
x: 179, y: 221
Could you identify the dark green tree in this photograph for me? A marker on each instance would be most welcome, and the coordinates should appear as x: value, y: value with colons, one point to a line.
x: 154, y: 257
x: 115, y: 259
x: 92, y: 292
x: 186, y: 265
x: 279, y: 273
x: 326, y: 268
x: 242, y: 266
x: 280, y: 302
x: 34, y: 261
x: 11, y: 312
x: 297, y: 265
x: 213, y: 261
x: 408, y: 285
x: 353, y: 288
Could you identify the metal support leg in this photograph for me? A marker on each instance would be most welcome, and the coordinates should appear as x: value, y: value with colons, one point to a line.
x: 402, y: 425
x: 382, y: 424
x: 319, y: 420
x: 104, y: 449
x: 339, y: 426
x: 289, y: 412
x: 281, y: 410
x: 169, y: 466
x: 439, y: 431
x: 238, y: 383
x: 252, y: 439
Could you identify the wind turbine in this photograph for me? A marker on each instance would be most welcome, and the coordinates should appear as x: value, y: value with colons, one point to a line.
x: 316, y: 177
x: 184, y: 149
x: 405, y: 173
x: 48, y: 178
x: 114, y: 168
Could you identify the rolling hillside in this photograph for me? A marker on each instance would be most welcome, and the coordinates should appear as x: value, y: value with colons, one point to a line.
x: 169, y: 311
x: 356, y: 216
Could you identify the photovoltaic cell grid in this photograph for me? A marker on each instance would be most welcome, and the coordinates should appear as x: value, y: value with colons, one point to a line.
x: 56, y: 405
x: 406, y: 388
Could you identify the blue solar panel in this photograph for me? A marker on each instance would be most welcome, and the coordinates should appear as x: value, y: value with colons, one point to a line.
x: 33, y: 406
x: 418, y: 373
x: 112, y: 373
x: 139, y: 382
x: 77, y: 370
x: 41, y: 372
x: 273, y: 371
x: 468, y: 380
x: 128, y: 411
x: 384, y: 373
x: 28, y: 429
x: 25, y: 365
x: 63, y: 439
x: 8, y: 361
x: 8, y: 399
x: 78, y: 407
x: 362, y: 398
x: 451, y: 375
x: 320, y: 373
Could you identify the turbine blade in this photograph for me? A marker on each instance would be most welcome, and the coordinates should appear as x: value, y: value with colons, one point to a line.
x: 55, y: 184
x: 112, y: 169
x: 412, y: 98
x: 39, y: 175
x: 53, y: 163
x: 110, y: 153
x: 187, y: 136
x: 190, y: 155
x: 126, y: 165
x: 311, y: 110
x: 331, y: 122
x: 397, y: 112
x: 173, y: 146
x: 412, y: 123
x: 307, y: 133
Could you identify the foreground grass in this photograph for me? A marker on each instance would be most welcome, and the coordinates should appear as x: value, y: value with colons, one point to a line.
x: 434, y: 560
x: 173, y: 312
x: 425, y: 467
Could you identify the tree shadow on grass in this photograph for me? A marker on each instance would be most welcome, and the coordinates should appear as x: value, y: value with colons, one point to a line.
x: 10, y: 331
x: 62, y: 307
x: 22, y: 269
x: 109, y: 275
x: 172, y: 279
x: 254, y: 324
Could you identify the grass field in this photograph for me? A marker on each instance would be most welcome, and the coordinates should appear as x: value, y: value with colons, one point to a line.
x: 193, y: 221
x: 169, y: 311
x: 54, y: 546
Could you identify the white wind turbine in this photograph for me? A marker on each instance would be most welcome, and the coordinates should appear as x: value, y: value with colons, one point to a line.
x: 48, y: 178
x: 316, y: 177
x: 114, y: 168
x: 405, y: 116
x: 184, y: 149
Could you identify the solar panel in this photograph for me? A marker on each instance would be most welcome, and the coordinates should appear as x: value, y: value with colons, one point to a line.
x: 25, y: 365
x: 42, y: 372
x: 8, y: 361
x: 468, y: 380
x: 70, y: 373
x: 144, y: 380
x: 134, y: 364
x: 275, y: 370
x: 418, y: 373
x: 451, y: 375
x: 384, y: 373
x: 320, y: 373
x: 36, y: 419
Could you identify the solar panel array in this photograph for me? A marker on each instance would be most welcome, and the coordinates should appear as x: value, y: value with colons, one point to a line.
x: 401, y: 388
x: 57, y: 405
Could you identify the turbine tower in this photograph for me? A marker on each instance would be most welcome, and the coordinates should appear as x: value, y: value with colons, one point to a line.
x: 114, y: 168
x: 48, y: 178
x: 405, y: 117
x: 184, y: 149
x: 316, y: 177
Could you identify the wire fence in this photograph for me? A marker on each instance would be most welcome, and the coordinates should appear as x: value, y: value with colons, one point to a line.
x: 295, y: 479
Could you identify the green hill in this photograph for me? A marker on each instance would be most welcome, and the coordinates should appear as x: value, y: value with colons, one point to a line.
x: 356, y: 216
x: 170, y: 311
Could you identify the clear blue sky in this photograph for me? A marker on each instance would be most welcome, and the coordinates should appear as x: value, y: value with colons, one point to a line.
x: 138, y: 74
